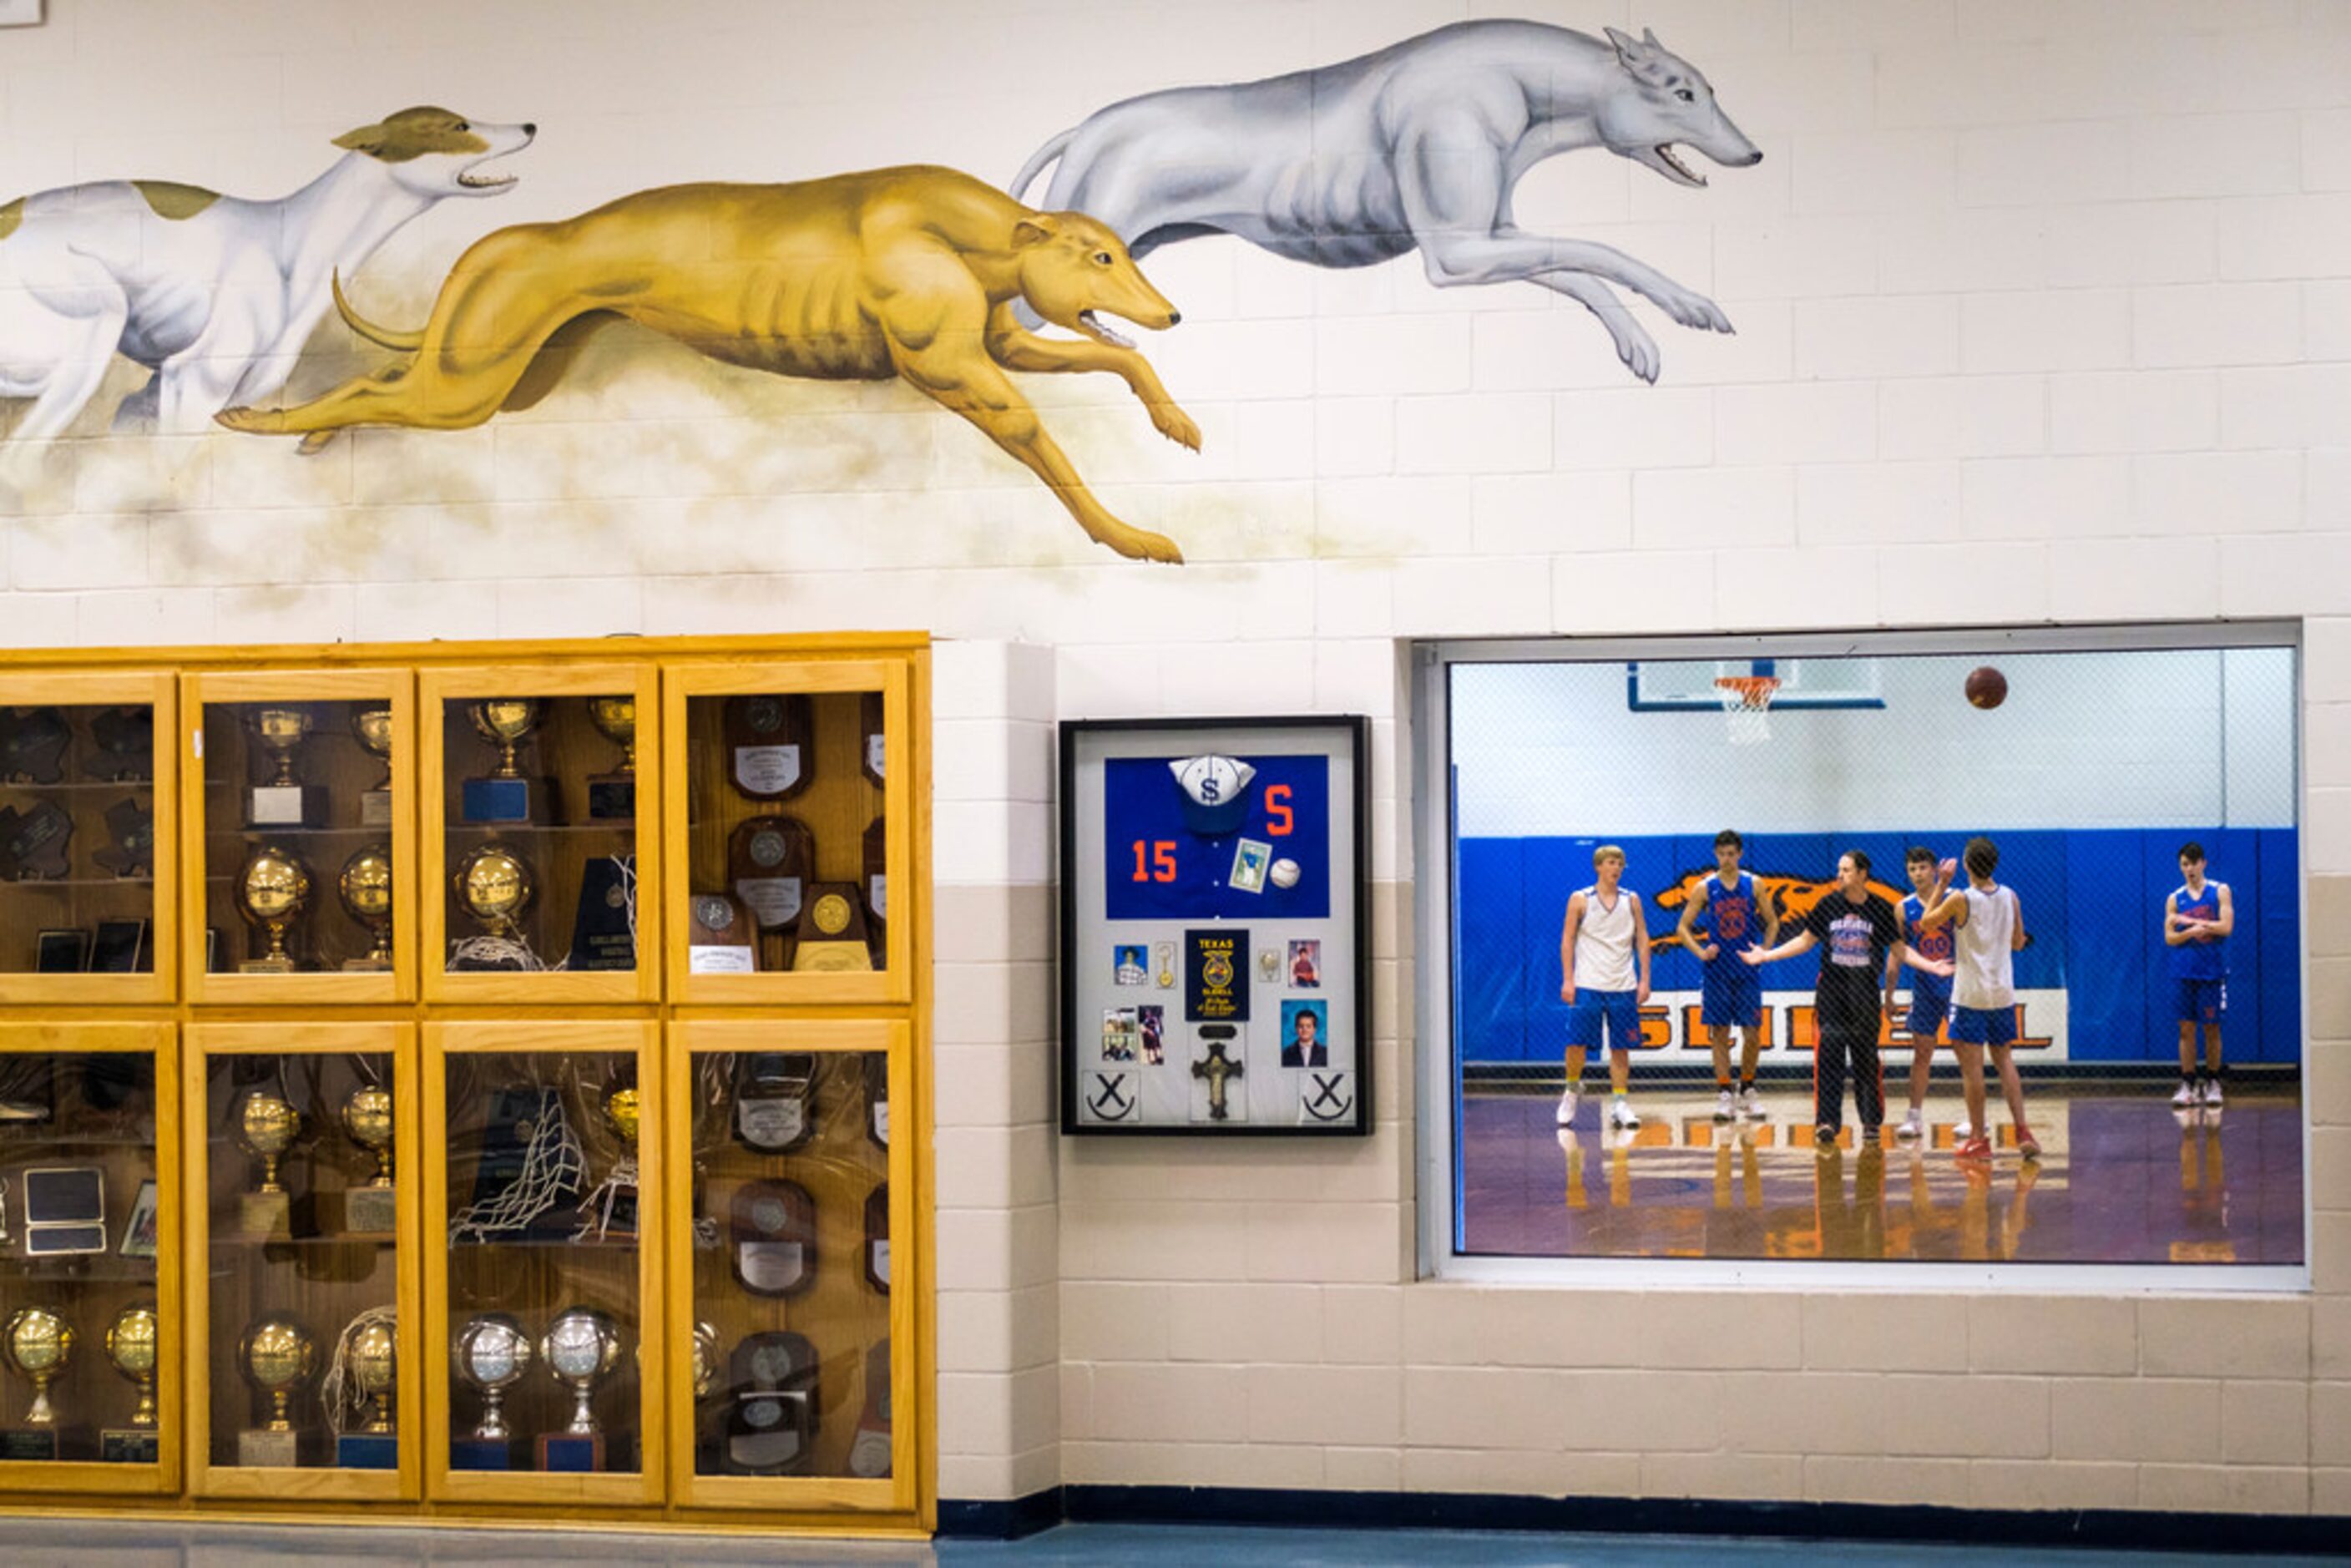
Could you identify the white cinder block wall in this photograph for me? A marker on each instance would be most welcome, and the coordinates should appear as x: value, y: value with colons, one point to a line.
x: 2044, y: 312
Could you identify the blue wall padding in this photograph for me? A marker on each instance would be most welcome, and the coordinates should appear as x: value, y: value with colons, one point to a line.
x: 2091, y: 901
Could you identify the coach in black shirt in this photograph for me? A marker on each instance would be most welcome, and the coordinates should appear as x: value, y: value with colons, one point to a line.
x: 1855, y: 931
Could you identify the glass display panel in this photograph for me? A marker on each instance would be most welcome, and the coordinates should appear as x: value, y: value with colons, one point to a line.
x: 544, y: 1302
x: 303, y: 1275
x: 2084, y: 867
x: 790, y: 1331
x: 540, y: 845
x: 78, y: 839
x: 299, y: 829
x: 78, y: 1232
x: 785, y: 840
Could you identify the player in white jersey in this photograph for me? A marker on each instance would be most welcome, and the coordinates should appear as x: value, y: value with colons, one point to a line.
x: 1983, y: 991
x: 1603, y: 958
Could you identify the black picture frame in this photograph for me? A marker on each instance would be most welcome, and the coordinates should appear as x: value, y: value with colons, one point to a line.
x: 1087, y: 932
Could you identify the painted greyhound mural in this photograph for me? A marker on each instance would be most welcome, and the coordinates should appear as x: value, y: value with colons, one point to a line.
x: 215, y: 294
x: 1416, y: 146
x: 922, y: 273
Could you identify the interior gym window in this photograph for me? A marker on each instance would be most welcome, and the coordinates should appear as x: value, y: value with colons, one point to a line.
x: 1781, y: 901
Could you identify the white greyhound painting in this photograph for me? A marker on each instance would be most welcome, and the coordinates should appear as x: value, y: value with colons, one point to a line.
x: 1417, y: 146
x: 215, y: 294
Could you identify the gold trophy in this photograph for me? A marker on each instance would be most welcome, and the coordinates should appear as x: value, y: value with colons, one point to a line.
x: 371, y: 1211
x: 276, y: 1357
x: 494, y: 886
x: 266, y: 1128
x: 365, y: 888
x: 37, y: 1344
x: 371, y: 1356
x: 271, y: 894
x: 132, y: 1344
x: 705, y: 1360
x: 613, y: 796
x: 505, y: 795
x: 285, y: 802
x: 372, y: 728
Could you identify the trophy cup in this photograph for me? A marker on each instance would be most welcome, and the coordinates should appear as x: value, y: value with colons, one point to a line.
x: 617, y: 1200
x: 831, y: 939
x: 37, y: 1344
x: 505, y: 795
x: 494, y: 887
x: 266, y: 1128
x: 371, y: 1355
x: 492, y: 1353
x: 271, y: 893
x: 771, y: 757
x: 768, y: 861
x: 276, y: 1357
x: 371, y: 726
x: 126, y: 745
x: 771, y: 1431
x: 718, y: 936
x: 581, y: 1348
x: 131, y: 1345
x: 613, y: 797
x: 371, y: 1211
x: 33, y: 743
x: 285, y: 802
x: 365, y: 888
x: 705, y: 1360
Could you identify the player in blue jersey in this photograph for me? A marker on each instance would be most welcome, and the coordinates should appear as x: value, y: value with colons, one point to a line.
x: 1927, y: 955
x: 2198, y: 916
x: 1731, y: 993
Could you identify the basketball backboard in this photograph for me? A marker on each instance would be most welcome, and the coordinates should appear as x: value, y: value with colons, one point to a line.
x: 1688, y: 685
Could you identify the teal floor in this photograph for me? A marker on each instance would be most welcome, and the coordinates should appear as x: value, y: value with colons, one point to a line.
x: 125, y: 1544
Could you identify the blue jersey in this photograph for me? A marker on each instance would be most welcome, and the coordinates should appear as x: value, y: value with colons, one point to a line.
x: 1736, y: 917
x: 2206, y: 960
x: 1923, y: 944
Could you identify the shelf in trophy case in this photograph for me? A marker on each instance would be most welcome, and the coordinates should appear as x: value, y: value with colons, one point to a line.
x: 780, y: 1335
x: 304, y: 1309
x: 541, y: 853
x: 790, y: 812
x: 90, y: 1319
x: 546, y: 1389
x: 299, y: 800
x: 88, y: 864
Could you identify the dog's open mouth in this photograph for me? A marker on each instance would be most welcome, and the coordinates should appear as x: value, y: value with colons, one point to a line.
x: 1665, y: 151
x: 1095, y: 327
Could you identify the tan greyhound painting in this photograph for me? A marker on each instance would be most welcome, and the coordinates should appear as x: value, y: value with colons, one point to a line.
x: 909, y: 272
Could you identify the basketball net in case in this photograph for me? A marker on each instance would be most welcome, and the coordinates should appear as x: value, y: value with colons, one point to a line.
x: 1747, y: 704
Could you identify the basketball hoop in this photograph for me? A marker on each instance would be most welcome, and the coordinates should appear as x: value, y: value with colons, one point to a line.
x: 1747, y: 704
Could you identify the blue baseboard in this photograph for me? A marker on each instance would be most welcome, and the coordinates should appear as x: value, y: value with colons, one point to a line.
x: 1005, y: 1520
x: 2116, y: 1528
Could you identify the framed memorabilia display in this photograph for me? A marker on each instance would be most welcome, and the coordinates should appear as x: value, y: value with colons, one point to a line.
x: 1214, y: 894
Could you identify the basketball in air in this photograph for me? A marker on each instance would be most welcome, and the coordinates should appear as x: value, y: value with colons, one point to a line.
x: 1987, y: 687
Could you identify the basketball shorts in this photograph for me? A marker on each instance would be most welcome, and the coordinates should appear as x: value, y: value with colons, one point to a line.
x: 1927, y: 1011
x: 1615, y: 1008
x: 2202, y: 1001
x: 1727, y: 1001
x: 1983, y: 1026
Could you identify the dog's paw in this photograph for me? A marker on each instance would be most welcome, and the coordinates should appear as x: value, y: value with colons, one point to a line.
x: 1141, y: 544
x: 1175, y: 424
x: 1693, y: 309
x: 253, y: 420
x: 318, y: 441
x: 1639, y: 353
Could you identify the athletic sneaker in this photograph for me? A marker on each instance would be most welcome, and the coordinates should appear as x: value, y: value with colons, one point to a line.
x: 1824, y: 1136
x: 1911, y: 1130
x: 1750, y: 1105
x: 2186, y: 1095
x: 2027, y: 1144
x: 1567, y: 1107
x: 2211, y: 1093
x: 1961, y: 1132
x: 1976, y: 1148
x: 1621, y: 1115
x: 1726, y: 1105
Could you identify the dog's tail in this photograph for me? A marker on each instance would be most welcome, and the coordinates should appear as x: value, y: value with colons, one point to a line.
x: 407, y: 343
x: 1037, y: 161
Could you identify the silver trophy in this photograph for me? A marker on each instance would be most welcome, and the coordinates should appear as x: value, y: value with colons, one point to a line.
x: 580, y: 1347
x: 493, y: 1352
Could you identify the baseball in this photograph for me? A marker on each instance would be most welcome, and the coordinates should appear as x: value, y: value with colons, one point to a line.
x: 1284, y: 873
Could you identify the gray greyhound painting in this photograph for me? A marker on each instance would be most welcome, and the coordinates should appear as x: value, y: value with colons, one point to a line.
x: 1414, y: 147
